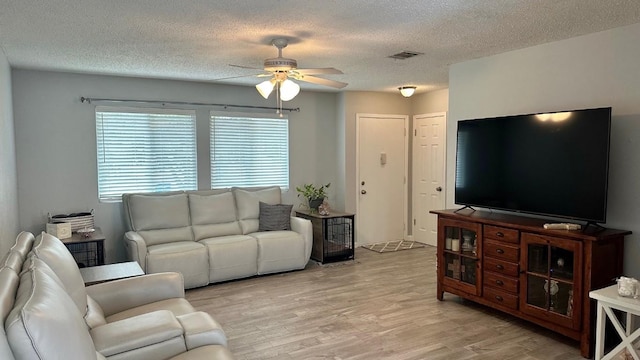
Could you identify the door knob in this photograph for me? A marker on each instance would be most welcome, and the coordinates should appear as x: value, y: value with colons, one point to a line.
x: 363, y: 192
x: 439, y: 188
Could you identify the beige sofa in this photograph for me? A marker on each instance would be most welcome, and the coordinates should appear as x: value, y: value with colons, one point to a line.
x: 48, y: 313
x: 215, y: 235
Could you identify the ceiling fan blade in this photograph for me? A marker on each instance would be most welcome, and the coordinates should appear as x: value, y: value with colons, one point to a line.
x: 321, y: 81
x: 246, y: 67
x: 317, y: 71
x: 241, y: 76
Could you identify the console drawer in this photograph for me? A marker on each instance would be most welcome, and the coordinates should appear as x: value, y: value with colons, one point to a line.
x: 501, y: 266
x: 497, y: 281
x: 501, y: 250
x: 501, y: 297
x: 501, y: 234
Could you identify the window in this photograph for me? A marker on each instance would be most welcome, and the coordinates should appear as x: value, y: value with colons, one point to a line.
x: 144, y: 150
x: 249, y: 151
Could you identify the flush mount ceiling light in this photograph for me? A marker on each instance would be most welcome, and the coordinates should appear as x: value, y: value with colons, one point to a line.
x: 407, y: 91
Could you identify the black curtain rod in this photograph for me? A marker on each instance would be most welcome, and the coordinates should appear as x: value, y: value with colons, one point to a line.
x: 89, y: 100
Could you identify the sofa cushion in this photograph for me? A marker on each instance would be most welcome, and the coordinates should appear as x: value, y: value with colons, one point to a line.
x: 151, y: 212
x: 45, y: 323
x: 248, y: 203
x: 8, y: 287
x: 274, y: 217
x: 13, y: 260
x: 24, y: 242
x: 213, y: 215
x: 231, y: 257
x: 178, y: 306
x: 56, y: 255
x: 186, y: 257
x: 280, y: 251
x: 163, y: 236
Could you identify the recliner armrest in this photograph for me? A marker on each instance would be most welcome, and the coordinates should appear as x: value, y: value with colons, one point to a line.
x: 136, y: 248
x: 151, y: 333
x: 120, y: 295
x: 304, y: 228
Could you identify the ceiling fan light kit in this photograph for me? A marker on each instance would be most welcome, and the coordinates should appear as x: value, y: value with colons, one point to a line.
x: 281, y: 69
x: 288, y: 90
x: 266, y: 87
x: 407, y: 91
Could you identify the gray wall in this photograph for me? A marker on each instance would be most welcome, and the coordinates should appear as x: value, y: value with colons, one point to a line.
x: 589, y: 71
x: 56, y: 147
x: 8, y: 173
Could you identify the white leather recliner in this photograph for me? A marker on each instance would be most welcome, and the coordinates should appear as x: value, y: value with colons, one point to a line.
x: 49, y: 314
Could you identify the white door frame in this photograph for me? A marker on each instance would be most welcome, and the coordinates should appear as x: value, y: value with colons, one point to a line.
x: 356, y: 185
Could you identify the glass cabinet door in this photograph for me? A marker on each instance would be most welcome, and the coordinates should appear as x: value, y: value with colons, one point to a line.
x: 458, y: 245
x: 550, y: 276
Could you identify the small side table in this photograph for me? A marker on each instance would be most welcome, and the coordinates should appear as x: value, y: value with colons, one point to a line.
x: 333, y: 235
x: 608, y: 301
x: 104, y: 273
x: 88, y: 251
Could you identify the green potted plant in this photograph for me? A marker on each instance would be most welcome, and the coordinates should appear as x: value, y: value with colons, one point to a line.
x: 315, y: 195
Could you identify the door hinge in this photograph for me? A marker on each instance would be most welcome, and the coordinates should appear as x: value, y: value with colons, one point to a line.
x: 414, y: 222
x: 415, y: 132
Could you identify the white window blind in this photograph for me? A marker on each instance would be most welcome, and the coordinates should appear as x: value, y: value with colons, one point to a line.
x: 249, y: 151
x: 144, y: 150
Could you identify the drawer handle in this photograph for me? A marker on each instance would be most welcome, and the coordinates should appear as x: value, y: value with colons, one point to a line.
x: 500, y: 251
x: 499, y: 298
x: 499, y: 267
x: 499, y: 234
x: 499, y: 282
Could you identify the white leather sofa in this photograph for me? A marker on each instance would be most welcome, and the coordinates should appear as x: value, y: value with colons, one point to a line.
x: 47, y: 312
x: 213, y: 235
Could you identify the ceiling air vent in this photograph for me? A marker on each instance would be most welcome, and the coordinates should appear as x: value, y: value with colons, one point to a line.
x: 405, y: 55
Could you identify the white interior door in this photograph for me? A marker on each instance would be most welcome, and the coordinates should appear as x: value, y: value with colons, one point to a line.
x: 428, y: 174
x: 381, y: 173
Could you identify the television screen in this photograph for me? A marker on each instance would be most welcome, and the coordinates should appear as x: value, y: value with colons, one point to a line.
x: 552, y: 164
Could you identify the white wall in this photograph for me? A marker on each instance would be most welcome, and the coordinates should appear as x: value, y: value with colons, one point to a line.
x: 56, y: 148
x: 589, y: 71
x: 8, y: 174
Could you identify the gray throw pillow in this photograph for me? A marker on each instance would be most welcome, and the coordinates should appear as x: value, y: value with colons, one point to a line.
x: 274, y: 217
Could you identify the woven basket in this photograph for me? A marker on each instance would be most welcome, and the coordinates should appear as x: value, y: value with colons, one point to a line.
x: 78, y: 220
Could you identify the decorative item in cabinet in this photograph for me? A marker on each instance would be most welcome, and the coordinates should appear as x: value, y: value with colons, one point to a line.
x: 458, y: 261
x: 550, y: 278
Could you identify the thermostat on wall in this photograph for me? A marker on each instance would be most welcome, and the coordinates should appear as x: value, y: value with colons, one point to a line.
x: 61, y: 230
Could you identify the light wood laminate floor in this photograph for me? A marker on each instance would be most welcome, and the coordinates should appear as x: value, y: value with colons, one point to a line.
x: 380, y: 306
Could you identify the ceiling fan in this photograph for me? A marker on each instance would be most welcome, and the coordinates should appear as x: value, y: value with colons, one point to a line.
x: 282, y: 70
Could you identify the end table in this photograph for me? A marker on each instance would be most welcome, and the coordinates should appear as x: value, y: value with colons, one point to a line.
x: 333, y: 235
x: 88, y: 251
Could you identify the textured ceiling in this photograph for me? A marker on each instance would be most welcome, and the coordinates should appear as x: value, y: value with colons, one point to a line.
x: 198, y: 39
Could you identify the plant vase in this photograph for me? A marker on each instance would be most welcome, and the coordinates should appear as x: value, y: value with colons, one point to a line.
x: 315, y: 203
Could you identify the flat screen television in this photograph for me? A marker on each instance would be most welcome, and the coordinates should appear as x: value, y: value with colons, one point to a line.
x: 552, y: 164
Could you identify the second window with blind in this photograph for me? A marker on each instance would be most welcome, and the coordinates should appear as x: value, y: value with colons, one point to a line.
x: 249, y: 151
